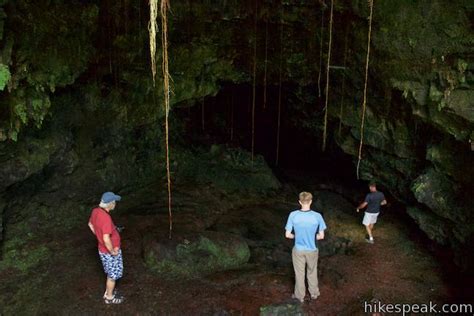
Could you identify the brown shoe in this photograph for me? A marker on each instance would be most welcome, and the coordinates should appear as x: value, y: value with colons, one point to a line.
x: 294, y: 297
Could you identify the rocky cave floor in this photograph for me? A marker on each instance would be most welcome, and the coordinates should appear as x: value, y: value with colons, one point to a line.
x: 396, y: 269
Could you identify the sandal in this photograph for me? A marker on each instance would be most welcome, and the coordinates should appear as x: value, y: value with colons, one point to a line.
x: 114, y: 300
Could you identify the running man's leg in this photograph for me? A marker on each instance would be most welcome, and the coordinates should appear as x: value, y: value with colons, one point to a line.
x: 369, y: 221
x: 369, y: 230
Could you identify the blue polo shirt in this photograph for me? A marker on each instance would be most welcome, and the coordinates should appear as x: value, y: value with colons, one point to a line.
x: 306, y: 224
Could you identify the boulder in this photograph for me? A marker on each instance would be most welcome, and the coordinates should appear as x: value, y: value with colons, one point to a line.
x: 435, y: 227
x: 26, y: 158
x: 293, y: 309
x: 441, y: 154
x: 195, y: 255
x: 438, y: 192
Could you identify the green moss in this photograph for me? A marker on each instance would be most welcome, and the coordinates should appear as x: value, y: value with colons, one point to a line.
x: 211, y: 252
x: 4, y: 76
x: 282, y: 310
x: 18, y: 256
x: 440, y: 194
x: 24, y: 246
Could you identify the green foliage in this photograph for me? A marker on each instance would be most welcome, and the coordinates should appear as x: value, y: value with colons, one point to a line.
x: 51, y: 48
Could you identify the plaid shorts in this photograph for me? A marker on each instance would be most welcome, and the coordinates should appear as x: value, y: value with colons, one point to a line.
x: 113, y: 265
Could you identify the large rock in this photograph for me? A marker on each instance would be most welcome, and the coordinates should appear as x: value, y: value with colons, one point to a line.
x: 439, y: 193
x: 451, y: 157
x: 195, y: 255
x: 435, y: 227
x: 20, y: 161
x: 461, y: 102
x: 449, y: 203
x: 229, y: 169
x: 290, y: 309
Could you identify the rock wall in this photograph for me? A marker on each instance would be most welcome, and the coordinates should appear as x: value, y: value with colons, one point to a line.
x: 101, y: 115
x: 420, y: 116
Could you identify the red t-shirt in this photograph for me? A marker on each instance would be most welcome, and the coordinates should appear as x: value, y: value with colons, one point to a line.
x: 103, y: 224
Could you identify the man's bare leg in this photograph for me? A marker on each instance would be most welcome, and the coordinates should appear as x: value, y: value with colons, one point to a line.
x: 109, y: 286
x: 369, y: 230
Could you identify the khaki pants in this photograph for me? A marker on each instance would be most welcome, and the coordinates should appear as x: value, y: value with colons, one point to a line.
x: 305, y: 260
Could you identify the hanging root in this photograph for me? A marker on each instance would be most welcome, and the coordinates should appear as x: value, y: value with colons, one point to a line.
x: 279, y: 91
x: 364, y: 103
x: 232, y: 116
x: 321, y: 53
x: 343, y: 80
x: 265, y: 68
x: 152, y: 29
x: 166, y: 89
x: 327, y: 78
x: 254, y: 81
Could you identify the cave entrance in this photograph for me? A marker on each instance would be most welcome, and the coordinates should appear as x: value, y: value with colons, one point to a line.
x: 226, y: 118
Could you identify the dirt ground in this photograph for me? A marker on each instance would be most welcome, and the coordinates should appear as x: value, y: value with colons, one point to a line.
x: 396, y: 269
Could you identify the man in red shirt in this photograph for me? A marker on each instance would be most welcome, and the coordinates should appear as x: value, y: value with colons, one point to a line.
x: 108, y: 238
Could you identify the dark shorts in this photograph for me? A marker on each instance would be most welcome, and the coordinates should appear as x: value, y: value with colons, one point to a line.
x: 113, y: 265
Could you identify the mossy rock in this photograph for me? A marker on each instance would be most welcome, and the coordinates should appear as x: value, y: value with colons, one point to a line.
x: 231, y: 170
x: 442, y: 154
x: 461, y: 102
x: 22, y: 160
x: 435, y: 227
x: 294, y: 309
x: 438, y: 192
x: 195, y: 255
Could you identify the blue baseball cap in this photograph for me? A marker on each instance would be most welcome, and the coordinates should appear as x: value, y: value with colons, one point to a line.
x: 108, y: 197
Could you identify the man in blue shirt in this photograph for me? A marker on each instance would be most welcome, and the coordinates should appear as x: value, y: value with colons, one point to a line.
x: 373, y: 201
x: 305, y: 226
